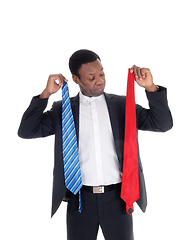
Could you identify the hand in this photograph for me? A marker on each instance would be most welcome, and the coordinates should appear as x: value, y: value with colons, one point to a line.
x: 52, y: 85
x: 144, y: 78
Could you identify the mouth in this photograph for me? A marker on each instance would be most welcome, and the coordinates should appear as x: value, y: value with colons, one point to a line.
x: 100, y: 89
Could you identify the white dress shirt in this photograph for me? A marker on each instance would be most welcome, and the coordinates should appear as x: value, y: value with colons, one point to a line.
x: 98, y: 159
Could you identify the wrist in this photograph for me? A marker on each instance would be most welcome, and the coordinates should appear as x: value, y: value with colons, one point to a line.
x: 152, y: 88
x: 45, y: 94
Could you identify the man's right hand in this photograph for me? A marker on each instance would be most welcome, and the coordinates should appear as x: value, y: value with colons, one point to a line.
x: 52, y: 85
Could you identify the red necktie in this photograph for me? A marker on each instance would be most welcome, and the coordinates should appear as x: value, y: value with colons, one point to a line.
x: 130, y: 177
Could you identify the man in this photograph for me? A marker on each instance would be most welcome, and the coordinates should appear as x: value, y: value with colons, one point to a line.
x: 100, y: 121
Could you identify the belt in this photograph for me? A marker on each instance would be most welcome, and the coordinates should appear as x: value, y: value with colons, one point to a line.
x: 101, y: 189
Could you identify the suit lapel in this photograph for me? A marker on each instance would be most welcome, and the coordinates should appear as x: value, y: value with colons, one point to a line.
x: 75, y: 110
x: 114, y: 118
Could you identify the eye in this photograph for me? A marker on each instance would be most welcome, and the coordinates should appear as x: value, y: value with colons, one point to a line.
x: 91, y: 79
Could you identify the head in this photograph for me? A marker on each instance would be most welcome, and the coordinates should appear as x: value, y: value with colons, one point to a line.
x: 87, y: 72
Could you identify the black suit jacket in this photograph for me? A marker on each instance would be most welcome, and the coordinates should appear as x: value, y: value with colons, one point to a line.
x: 37, y: 123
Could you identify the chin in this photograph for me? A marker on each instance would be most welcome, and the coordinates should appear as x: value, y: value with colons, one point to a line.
x: 99, y: 92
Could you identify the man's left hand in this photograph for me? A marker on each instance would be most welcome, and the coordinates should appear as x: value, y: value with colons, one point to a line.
x: 144, y: 78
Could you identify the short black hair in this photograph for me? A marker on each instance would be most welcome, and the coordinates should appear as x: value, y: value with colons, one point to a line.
x: 80, y: 57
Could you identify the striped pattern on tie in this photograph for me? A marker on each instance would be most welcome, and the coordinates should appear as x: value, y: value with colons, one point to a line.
x: 72, y: 172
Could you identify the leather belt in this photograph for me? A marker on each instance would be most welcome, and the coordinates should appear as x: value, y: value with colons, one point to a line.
x: 101, y: 189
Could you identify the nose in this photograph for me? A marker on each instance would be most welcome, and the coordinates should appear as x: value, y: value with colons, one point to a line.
x: 99, y: 81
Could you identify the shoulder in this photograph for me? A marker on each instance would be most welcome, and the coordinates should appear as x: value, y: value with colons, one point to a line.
x: 118, y: 98
x: 58, y: 104
x: 120, y: 101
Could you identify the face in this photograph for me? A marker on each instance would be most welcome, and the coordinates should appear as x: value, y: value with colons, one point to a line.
x: 92, y: 79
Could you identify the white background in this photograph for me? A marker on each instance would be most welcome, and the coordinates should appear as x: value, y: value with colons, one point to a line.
x: 37, y: 39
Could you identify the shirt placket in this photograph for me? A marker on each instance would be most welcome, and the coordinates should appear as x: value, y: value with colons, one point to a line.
x: 98, y: 157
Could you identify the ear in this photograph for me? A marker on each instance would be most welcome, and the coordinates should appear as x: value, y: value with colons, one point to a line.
x: 75, y: 79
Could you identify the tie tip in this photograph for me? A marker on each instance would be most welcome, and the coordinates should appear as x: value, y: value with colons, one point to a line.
x: 130, y: 211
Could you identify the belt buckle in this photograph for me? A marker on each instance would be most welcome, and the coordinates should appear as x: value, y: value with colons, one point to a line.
x: 98, y: 189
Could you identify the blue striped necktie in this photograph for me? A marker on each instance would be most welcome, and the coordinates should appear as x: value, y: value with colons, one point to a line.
x: 72, y: 172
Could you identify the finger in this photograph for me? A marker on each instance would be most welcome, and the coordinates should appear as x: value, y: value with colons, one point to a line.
x: 144, y: 71
x: 131, y: 69
x: 134, y: 70
x: 62, y: 79
x: 138, y: 72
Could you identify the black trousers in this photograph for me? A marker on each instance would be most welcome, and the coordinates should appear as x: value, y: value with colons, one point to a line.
x: 106, y: 210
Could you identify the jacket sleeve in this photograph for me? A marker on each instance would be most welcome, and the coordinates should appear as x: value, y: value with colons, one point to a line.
x: 35, y: 123
x: 158, y: 117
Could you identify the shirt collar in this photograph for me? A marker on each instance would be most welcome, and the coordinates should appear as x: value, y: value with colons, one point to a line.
x: 84, y: 99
